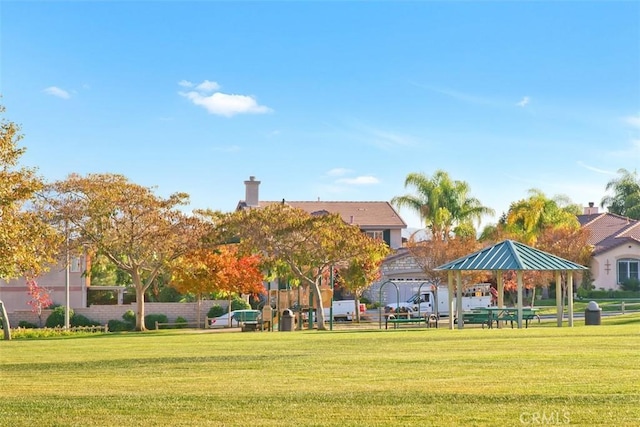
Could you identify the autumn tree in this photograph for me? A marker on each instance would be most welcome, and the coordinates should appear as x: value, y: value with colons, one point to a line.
x: 430, y: 254
x: 361, y: 271
x: 138, y: 231
x: 28, y: 244
x: 222, y: 270
x: 295, y: 244
x: 40, y: 298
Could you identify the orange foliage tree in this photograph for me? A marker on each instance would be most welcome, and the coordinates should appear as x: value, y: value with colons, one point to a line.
x: 222, y: 270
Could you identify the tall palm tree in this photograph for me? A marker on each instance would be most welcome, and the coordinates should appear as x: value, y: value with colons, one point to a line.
x: 626, y: 195
x: 442, y: 203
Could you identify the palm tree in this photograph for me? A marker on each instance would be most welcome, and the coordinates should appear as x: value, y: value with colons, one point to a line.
x: 528, y: 218
x: 442, y: 203
x: 626, y: 195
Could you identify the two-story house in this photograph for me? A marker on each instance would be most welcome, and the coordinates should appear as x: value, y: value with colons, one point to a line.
x: 375, y: 218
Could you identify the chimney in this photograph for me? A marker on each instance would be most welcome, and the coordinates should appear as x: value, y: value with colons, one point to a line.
x: 591, y: 209
x: 251, y: 192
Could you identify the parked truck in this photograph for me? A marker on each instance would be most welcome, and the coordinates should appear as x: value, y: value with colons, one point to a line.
x: 344, y: 310
x: 436, y: 300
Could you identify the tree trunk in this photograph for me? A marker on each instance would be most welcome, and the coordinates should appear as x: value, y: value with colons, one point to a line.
x: 6, y: 327
x: 320, y: 310
x: 140, y: 308
x: 533, y: 296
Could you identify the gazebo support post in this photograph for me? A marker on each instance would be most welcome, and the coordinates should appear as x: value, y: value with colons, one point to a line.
x: 500, y: 280
x: 459, y: 314
x: 570, y: 296
x: 519, y: 274
x: 559, y: 307
x: 450, y: 290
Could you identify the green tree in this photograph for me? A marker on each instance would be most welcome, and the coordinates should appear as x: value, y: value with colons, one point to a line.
x: 138, y: 231
x: 295, y: 244
x: 442, y: 203
x: 625, y: 200
x: 28, y: 244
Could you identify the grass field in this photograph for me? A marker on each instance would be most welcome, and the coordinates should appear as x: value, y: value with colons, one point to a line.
x: 586, y: 375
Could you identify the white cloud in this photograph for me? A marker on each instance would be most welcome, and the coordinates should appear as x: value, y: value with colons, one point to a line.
x: 360, y: 180
x: 56, y: 91
x: 219, y: 103
x: 595, y: 169
x: 633, y: 120
x: 338, y: 172
x: 185, y: 83
x: 208, y: 86
x: 524, y: 102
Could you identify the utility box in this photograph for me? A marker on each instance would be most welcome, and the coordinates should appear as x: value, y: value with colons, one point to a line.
x: 593, y: 314
x: 286, y: 321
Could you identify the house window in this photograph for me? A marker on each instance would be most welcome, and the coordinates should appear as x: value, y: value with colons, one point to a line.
x: 377, y: 235
x: 75, y: 266
x: 628, y: 269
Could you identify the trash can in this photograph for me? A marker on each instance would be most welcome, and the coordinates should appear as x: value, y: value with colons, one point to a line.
x: 286, y: 321
x: 592, y: 314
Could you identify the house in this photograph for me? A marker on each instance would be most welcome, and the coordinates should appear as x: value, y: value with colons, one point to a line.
x: 377, y: 219
x: 14, y: 295
x: 616, y: 242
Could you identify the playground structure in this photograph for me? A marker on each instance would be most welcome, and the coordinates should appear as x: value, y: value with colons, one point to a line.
x: 300, y: 301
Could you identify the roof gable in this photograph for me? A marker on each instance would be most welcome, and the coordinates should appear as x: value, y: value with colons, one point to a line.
x: 608, y: 230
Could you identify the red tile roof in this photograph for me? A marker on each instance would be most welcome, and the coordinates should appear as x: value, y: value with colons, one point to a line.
x: 610, y: 230
x: 364, y: 214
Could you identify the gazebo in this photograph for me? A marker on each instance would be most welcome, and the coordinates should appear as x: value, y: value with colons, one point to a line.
x: 510, y: 255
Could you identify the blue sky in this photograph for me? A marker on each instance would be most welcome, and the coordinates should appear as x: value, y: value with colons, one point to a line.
x: 328, y: 99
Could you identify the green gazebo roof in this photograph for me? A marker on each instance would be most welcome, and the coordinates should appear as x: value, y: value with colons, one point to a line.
x: 511, y: 255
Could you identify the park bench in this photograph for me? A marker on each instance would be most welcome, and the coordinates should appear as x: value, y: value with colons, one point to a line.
x: 395, y: 321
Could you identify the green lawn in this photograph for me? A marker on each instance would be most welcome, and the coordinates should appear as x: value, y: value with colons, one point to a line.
x: 586, y: 375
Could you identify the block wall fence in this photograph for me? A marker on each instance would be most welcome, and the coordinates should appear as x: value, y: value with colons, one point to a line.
x: 104, y: 313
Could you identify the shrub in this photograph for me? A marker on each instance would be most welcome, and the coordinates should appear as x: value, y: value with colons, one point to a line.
x: 56, y: 318
x: 26, y: 325
x: 151, y: 319
x: 215, y: 311
x: 632, y: 285
x: 181, y: 322
x: 239, y: 304
x: 80, y: 320
x: 116, y: 325
x: 130, y: 317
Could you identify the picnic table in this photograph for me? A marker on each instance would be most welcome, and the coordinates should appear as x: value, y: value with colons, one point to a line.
x: 509, y: 314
